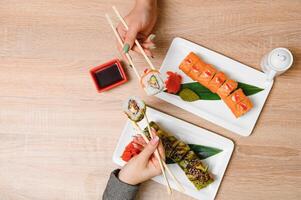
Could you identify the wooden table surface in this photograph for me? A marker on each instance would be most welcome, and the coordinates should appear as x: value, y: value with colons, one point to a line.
x: 57, y: 134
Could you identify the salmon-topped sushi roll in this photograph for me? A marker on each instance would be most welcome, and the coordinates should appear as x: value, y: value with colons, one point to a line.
x: 188, y: 62
x: 217, y: 81
x: 243, y: 107
x: 207, y: 74
x: 233, y: 99
x: 196, y: 70
x: 226, y: 89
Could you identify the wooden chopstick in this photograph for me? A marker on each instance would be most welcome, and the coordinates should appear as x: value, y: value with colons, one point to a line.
x: 136, y: 41
x: 139, y: 130
x: 179, y: 185
x: 121, y: 43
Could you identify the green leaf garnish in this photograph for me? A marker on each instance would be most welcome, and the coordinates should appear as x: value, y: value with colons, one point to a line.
x: 206, y: 94
x: 202, y: 151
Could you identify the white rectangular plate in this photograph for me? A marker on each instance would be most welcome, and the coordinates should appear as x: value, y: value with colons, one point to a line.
x: 216, y: 111
x: 191, y: 135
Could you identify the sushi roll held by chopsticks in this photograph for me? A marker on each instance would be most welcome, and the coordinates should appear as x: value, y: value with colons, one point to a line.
x: 152, y: 82
x: 134, y: 108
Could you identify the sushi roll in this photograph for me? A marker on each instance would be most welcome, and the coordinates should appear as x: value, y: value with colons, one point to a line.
x: 190, y: 158
x: 243, y: 107
x: 179, y: 151
x: 198, y: 178
x: 195, y: 171
x: 236, y: 97
x: 188, y: 62
x: 152, y: 82
x: 169, y: 143
x: 135, y: 109
x: 217, y: 81
x: 207, y: 74
x: 226, y: 89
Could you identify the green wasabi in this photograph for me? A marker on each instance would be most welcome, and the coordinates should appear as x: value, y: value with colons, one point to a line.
x: 188, y: 95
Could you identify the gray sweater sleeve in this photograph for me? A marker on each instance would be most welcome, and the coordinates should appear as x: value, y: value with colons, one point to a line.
x: 118, y: 190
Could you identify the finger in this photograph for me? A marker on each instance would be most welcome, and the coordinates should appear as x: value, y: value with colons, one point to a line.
x: 148, y: 45
x: 121, y: 31
x: 155, y: 162
x: 130, y: 38
x: 119, y: 47
x: 149, y: 149
x: 155, y: 166
x: 151, y: 38
x: 161, y: 151
x: 160, y: 146
x: 147, y: 51
x: 139, y: 140
x: 153, y: 132
x: 142, y: 141
x: 138, y: 146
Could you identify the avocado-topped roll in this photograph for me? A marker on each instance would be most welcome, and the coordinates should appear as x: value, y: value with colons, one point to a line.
x: 134, y: 108
x: 179, y: 151
x: 195, y: 170
x: 169, y: 144
x: 152, y: 82
x: 192, y: 159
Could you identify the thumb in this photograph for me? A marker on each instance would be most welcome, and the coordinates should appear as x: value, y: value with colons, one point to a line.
x: 130, y: 38
x: 149, y: 149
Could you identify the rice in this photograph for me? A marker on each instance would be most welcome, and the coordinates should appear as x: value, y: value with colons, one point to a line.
x: 152, y: 82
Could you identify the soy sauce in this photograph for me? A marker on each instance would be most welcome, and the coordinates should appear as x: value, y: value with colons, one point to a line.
x: 108, y: 76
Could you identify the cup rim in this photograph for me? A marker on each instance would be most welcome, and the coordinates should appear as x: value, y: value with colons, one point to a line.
x: 289, y: 52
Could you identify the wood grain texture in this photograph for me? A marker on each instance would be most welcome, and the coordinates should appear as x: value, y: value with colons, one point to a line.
x: 57, y: 134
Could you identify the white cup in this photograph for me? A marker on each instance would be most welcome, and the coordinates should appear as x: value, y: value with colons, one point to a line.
x: 276, y: 62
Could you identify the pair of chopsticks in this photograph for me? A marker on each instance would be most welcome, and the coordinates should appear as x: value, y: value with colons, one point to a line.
x: 161, y: 161
x: 121, y: 42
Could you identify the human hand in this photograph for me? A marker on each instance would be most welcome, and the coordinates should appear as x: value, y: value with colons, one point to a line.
x: 145, y: 165
x: 141, y: 21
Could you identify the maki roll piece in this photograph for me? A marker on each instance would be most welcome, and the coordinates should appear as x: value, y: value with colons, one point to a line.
x: 154, y: 125
x: 192, y: 159
x: 217, y: 81
x: 226, y: 89
x: 179, y: 151
x: 198, y: 178
x: 207, y: 74
x: 188, y: 62
x: 195, y: 170
x: 196, y: 70
x: 169, y: 143
x: 134, y: 108
x: 233, y: 99
x: 152, y: 82
x: 243, y: 107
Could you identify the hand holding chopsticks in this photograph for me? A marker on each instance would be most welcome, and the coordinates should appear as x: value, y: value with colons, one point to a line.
x: 140, y: 132
x: 121, y: 43
x: 136, y: 41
